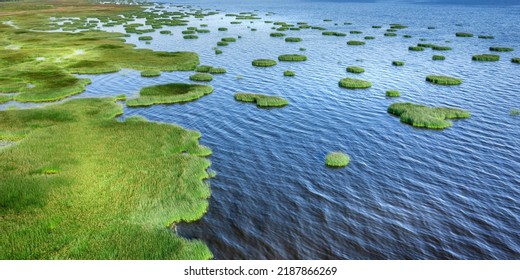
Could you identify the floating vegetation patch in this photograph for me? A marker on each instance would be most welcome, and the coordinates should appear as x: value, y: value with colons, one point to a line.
x: 463, y: 34
x: 369, y: 37
x: 261, y: 100
x: 337, y: 159
x: 426, y: 117
x: 397, y: 63
x: 222, y: 43
x: 355, y: 69
x: 393, y: 93
x: 150, y: 73
x: 145, y: 38
x: 188, y: 32
x: 486, y: 37
x: 443, y: 80
x: 189, y: 37
x: 501, y: 49
x: 355, y: 32
x: 514, y: 112
x: 398, y: 26
x: 228, y: 39
x: 415, y: 48
x: 354, y: 83
x: 201, y: 77
x: 288, y: 73
x: 485, y: 57
x: 169, y: 93
x: 264, y: 62
x: 438, y: 57
x: 515, y: 60
x: 217, y: 70
x: 407, y: 36
x: 390, y: 34
x: 277, y: 34
x: 222, y: 29
x: 218, y: 51
x: 203, y: 68
x: 292, y: 57
x: 355, y: 43
x: 333, y: 33
x: 165, y: 32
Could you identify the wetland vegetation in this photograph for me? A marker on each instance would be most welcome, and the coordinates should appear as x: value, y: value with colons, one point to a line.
x: 426, y: 117
x: 261, y: 100
x: 337, y: 159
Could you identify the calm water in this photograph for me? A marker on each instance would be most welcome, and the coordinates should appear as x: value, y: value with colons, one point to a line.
x: 408, y: 193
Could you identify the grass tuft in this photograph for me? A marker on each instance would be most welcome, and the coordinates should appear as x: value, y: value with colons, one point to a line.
x: 443, y: 80
x: 355, y: 43
x: 261, y: 100
x: 150, y: 73
x: 393, y: 93
x: 426, y: 117
x: 337, y: 159
x: 501, y: 49
x: 288, y: 73
x: 292, y: 57
x: 169, y: 93
x: 293, y: 39
x: 201, y: 77
x: 463, y: 34
x: 264, y: 62
x: 485, y: 57
x: 515, y: 60
x: 438, y: 57
x: 355, y: 69
x: 397, y: 63
x: 354, y: 83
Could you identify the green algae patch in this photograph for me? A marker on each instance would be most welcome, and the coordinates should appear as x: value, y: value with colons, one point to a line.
x: 485, y: 57
x: 438, y: 57
x: 486, y: 37
x: 228, y: 39
x: 201, y: 77
x: 415, y: 48
x: 293, y: 39
x: 190, y: 37
x: 165, y: 32
x: 355, y: 69
x: 169, y: 93
x: 222, y: 29
x: 355, y: 43
x: 150, y: 73
x: 288, y: 73
x: 515, y: 60
x: 369, y: 38
x: 393, y: 93
x: 99, y: 188
x: 264, y: 62
x: 351, y: 83
x: 426, y: 117
x: 333, y: 33
x: 514, y: 112
x: 463, y: 34
x: 501, y: 49
x: 443, y: 80
x: 397, y: 63
x: 261, y: 100
x: 337, y: 159
x: 292, y: 57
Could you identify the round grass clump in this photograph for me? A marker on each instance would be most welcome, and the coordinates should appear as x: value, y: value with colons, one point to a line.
x: 397, y: 63
x: 515, y: 60
x: 463, y: 34
x: 426, y: 117
x: 150, y: 73
x: 415, y: 48
x: 438, y: 57
x: 145, y: 38
x: 203, y: 68
x: 501, y: 49
x: 217, y: 70
x: 354, y: 83
x: 355, y: 43
x: 292, y: 57
x: 355, y: 69
x: 201, y: 77
x: 393, y: 93
x: 222, y: 29
x: 443, y: 80
x: 486, y: 57
x: 190, y: 37
x: 293, y: 39
x: 277, y: 34
x: 288, y: 73
x: 337, y: 159
x: 261, y: 100
x: 264, y: 62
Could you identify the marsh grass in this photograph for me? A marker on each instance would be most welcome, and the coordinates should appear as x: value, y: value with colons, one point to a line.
x: 165, y: 32
x: 485, y: 57
x: 292, y: 57
x: 369, y: 37
x: 201, y: 77
x: 337, y: 159
x: 277, y: 34
x: 438, y: 57
x: 501, y: 49
x: 463, y: 34
x: 390, y: 34
x: 145, y: 38
x: 228, y: 39
x: 355, y: 43
x: 169, y: 93
x: 150, y: 73
x: 293, y: 39
x: 515, y: 60
x: 486, y: 37
x: 261, y: 100
x: 415, y: 48
x: 222, y: 29
x: 189, y: 37
x: 397, y: 63
x: 217, y: 70
x: 355, y: 69
x: 426, y: 117
x: 264, y: 62
x: 333, y: 33
x: 351, y: 83
x: 203, y: 68
x: 393, y: 93
x: 99, y: 188
x: 443, y: 80
x: 288, y: 73
x: 222, y: 43
x: 514, y: 112
x: 218, y: 51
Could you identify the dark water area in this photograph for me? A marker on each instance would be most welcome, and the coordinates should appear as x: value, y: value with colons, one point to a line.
x: 408, y: 193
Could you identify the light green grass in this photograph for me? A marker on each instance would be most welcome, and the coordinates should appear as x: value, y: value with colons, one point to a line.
x: 150, y: 73
x: 443, y: 80
x: 203, y: 68
x: 217, y: 70
x: 337, y: 159
x: 82, y: 185
x: 426, y: 117
x: 201, y: 77
x: 169, y: 93
x: 292, y: 57
x: 261, y: 100
x: 514, y: 112
x: 264, y: 62
x: 288, y: 73
x: 485, y: 57
x: 355, y: 69
x: 354, y: 83
x: 393, y: 93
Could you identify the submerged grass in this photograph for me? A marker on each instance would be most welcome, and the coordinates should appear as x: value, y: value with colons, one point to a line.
x: 337, y: 159
x: 354, y: 83
x: 426, y: 117
x: 169, y: 93
x: 261, y: 100
x: 443, y: 80
x: 98, y: 188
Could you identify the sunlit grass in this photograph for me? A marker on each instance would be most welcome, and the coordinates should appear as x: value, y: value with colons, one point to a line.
x: 292, y: 57
x: 169, y: 93
x: 485, y: 57
x: 354, y: 83
x: 393, y: 93
x: 337, y: 159
x: 150, y: 73
x: 201, y: 77
x: 288, y: 73
x: 264, y: 62
x: 355, y: 69
x: 443, y: 80
x: 261, y: 100
x: 426, y: 117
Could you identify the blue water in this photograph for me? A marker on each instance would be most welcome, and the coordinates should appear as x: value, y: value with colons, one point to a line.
x: 408, y: 193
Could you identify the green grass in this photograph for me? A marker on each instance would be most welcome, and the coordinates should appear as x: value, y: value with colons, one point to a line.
x: 277, y: 34
x: 337, y: 159
x: 228, y: 39
x: 390, y: 34
x: 485, y: 57
x: 415, y: 48
x: 263, y: 62
x: 188, y: 32
x: 201, y: 77
x: 438, y: 57
x: 145, y: 38
x: 203, y: 68
x: 463, y: 34
x: 189, y: 37
x: 397, y: 63
x: 356, y: 32
x: 393, y: 93
x: 441, y: 48
x: 293, y: 39
x: 288, y: 73
x: 426, y: 117
x: 217, y: 70
x: 515, y: 60
x: 82, y: 185
x: 261, y: 100
x: 355, y: 43
x: 354, y: 83
x: 501, y: 49
x: 514, y: 112
x: 222, y: 43
x: 218, y: 51
x: 165, y: 32
x: 369, y: 37
x: 169, y: 93
x: 150, y: 73
x: 333, y: 33
x: 5, y: 98
x: 355, y: 69
x: 292, y: 57
x: 443, y: 80
x: 222, y: 29
x: 486, y: 37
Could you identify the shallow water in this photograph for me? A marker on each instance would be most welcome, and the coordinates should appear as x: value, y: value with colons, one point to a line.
x: 408, y: 193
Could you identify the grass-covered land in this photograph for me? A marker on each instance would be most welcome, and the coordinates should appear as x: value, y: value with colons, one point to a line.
x: 355, y: 43
x: 261, y: 100
x: 485, y: 57
x: 150, y: 73
x: 501, y: 49
x: 393, y: 93
x: 289, y: 73
x: 355, y: 69
x: 201, y: 77
x: 293, y: 39
x: 333, y: 33
x: 264, y: 62
x: 443, y: 80
x: 397, y: 63
x: 438, y: 57
x: 463, y: 34
x: 292, y: 57
x: 169, y: 93
x: 354, y: 83
x: 78, y: 184
x: 337, y: 159
x: 515, y: 60
x: 426, y: 117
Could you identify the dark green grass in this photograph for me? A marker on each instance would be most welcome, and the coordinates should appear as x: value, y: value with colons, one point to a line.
x: 415, y: 48
x: 145, y: 38
x: 222, y: 43
x: 355, y: 32
x: 393, y: 93
x: 169, y: 93
x: 203, y: 31
x: 217, y: 70
x: 501, y: 49
x: 222, y: 29
x: 288, y: 73
x: 426, y: 117
x: 150, y: 73
x: 337, y: 159
x: 390, y: 34
x: 99, y: 188
x: 514, y: 112
x: 463, y: 34
x: 438, y: 57
x: 165, y: 32
x: 354, y: 83
x: 293, y: 39
x: 443, y: 80
x: 188, y: 32
x: 189, y: 37
x: 264, y: 62
x: 261, y: 100
x: 515, y: 60
x: 355, y: 43
x: 486, y: 37
x: 218, y: 51
x: 228, y: 39
x: 355, y: 69
x: 441, y: 48
x: 397, y: 63
x: 201, y: 77
x: 369, y: 37
x: 333, y: 33
x: 277, y: 34
x: 407, y: 36
x: 292, y: 57
x: 485, y: 57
